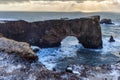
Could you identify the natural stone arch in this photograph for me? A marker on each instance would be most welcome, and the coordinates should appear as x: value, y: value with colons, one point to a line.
x: 51, y: 32
x: 87, y: 30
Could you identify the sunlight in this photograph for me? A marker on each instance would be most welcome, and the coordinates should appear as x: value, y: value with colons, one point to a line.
x: 67, y: 6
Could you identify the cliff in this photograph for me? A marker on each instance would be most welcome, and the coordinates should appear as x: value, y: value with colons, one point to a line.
x: 50, y: 33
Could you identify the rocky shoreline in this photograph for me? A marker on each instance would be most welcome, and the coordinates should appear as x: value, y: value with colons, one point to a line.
x: 13, y: 67
x: 20, y: 48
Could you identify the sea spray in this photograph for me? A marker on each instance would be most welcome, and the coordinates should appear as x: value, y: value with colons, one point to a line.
x: 51, y: 56
x: 71, y: 52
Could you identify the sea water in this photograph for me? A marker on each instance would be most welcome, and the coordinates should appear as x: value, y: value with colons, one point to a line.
x: 62, y: 56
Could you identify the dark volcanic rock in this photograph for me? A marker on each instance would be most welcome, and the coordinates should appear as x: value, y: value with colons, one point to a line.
x: 50, y: 33
x: 106, y: 21
x: 111, y: 39
x: 69, y: 69
x: 12, y: 67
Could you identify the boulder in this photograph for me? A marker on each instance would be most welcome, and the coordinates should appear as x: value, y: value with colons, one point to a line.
x: 106, y: 21
x: 21, y: 48
x: 69, y: 69
x: 50, y: 33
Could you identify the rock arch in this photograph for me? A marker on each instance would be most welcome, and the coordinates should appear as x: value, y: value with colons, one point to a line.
x: 50, y: 33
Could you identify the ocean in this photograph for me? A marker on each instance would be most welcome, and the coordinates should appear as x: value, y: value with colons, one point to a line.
x: 61, y: 57
x: 40, y: 16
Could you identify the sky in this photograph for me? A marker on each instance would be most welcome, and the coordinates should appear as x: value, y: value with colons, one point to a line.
x: 61, y: 5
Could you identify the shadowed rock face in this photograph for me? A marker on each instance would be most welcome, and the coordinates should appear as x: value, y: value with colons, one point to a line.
x: 51, y: 32
x: 106, y: 21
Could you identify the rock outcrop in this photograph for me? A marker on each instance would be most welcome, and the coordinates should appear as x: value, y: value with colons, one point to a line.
x: 21, y: 48
x: 12, y: 67
x: 106, y: 21
x: 51, y: 32
x: 111, y: 39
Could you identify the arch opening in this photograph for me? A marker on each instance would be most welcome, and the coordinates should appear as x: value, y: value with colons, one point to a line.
x: 69, y: 41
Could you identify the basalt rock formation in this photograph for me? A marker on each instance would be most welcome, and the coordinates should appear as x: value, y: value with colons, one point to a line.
x: 21, y: 48
x: 51, y: 32
x: 111, y: 39
x: 106, y: 21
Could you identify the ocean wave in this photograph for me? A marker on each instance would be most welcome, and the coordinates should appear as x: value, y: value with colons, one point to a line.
x: 50, y: 57
x: 3, y: 20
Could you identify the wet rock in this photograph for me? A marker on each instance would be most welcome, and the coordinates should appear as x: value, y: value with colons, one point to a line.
x: 111, y: 39
x: 119, y: 78
x: 64, y: 18
x: 69, y: 69
x: 21, y: 48
x: 54, y: 69
x: 106, y: 21
x: 35, y: 49
x: 51, y: 32
x: 36, y: 71
x: 83, y: 73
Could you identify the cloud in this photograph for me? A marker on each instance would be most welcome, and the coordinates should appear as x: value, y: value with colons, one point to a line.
x: 12, y: 1
x: 60, y: 5
x: 19, y: 1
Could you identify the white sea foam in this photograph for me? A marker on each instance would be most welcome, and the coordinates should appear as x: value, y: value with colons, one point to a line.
x: 112, y: 47
x: 35, y: 47
x: 3, y: 20
x: 51, y: 56
x: 68, y: 48
x: 31, y: 77
x: 115, y: 74
x: 9, y: 77
x: 11, y: 68
x: 109, y: 47
x: 68, y: 41
x: 8, y: 19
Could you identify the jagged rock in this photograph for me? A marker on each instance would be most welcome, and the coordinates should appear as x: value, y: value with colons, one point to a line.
x: 106, y: 21
x: 111, y: 39
x: 20, y: 69
x: 21, y: 48
x: 69, y: 69
x: 51, y: 32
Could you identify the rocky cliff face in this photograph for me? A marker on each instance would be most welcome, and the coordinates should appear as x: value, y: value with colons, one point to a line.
x: 51, y: 32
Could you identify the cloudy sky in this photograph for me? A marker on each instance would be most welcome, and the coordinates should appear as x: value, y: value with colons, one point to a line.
x: 60, y: 5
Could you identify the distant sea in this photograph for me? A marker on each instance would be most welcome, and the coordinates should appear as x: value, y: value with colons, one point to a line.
x: 40, y: 16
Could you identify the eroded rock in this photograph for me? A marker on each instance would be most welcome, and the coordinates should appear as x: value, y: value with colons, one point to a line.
x: 51, y: 32
x: 111, y: 39
x: 106, y: 21
x: 21, y: 48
